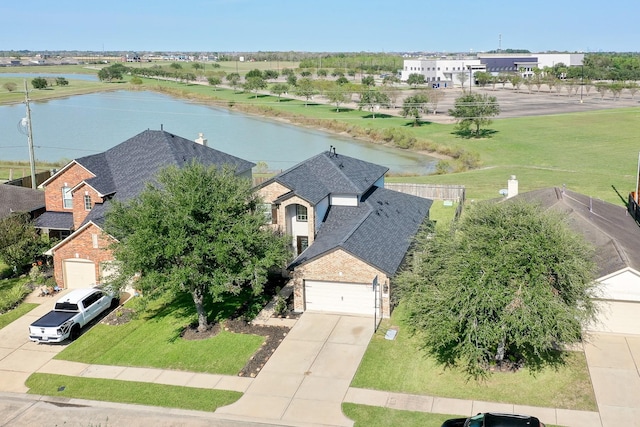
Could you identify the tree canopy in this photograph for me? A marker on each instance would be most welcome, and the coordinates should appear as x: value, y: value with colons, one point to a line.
x: 199, y: 230
x: 19, y: 241
x: 508, y: 283
x: 415, y: 79
x: 415, y: 105
x: 474, y: 109
x: 371, y: 99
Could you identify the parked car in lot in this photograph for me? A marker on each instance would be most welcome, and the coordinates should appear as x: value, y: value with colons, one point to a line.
x: 490, y: 419
x: 70, y: 314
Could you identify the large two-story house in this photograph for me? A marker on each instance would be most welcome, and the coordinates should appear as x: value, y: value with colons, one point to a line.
x: 347, y: 231
x: 78, y: 195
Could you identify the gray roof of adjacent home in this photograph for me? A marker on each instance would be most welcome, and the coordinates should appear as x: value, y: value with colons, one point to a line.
x: 19, y: 199
x: 609, y: 227
x: 328, y: 173
x: 55, y: 220
x: 378, y: 231
x: 123, y: 171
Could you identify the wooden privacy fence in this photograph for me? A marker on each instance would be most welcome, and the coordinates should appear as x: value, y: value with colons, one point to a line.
x: 455, y: 193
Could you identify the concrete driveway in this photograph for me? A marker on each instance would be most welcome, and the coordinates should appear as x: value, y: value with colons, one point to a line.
x: 614, y: 366
x: 20, y: 357
x: 307, y: 378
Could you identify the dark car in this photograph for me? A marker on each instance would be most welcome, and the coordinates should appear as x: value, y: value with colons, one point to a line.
x: 490, y: 419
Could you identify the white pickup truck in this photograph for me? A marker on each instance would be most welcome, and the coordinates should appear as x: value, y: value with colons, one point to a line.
x: 70, y: 314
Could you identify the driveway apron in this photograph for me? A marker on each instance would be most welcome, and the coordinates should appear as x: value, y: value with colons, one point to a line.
x: 306, y: 379
x: 614, y: 362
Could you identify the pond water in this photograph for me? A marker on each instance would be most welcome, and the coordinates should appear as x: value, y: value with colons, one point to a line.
x: 87, y: 124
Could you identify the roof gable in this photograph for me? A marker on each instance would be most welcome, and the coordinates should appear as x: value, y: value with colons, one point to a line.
x: 329, y: 173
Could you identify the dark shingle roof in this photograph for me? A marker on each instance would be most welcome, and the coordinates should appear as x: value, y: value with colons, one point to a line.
x: 615, y: 235
x: 19, y: 199
x: 55, y: 220
x: 124, y: 170
x: 378, y: 231
x: 329, y: 173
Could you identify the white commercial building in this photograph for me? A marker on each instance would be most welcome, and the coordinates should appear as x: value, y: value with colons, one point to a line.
x: 445, y: 72
x: 442, y: 72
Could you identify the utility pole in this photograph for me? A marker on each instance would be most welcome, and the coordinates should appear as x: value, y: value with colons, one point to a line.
x: 30, y: 137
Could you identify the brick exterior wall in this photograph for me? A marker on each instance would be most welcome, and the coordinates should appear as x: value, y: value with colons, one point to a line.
x: 274, y: 190
x: 74, y: 175
x: 79, y: 211
x: 82, y: 246
x: 338, y: 266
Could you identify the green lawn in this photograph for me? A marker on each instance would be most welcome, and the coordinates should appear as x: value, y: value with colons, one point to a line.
x: 75, y: 87
x: 401, y: 366
x: 153, y: 340
x: 130, y: 392
x: 372, y: 416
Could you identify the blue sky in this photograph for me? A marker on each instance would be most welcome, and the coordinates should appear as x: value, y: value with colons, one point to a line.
x: 320, y: 26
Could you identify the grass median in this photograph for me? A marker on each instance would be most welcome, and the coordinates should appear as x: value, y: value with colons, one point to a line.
x: 166, y: 396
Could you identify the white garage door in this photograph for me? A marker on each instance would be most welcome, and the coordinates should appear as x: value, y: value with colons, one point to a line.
x: 339, y: 297
x: 618, y: 317
x: 79, y: 273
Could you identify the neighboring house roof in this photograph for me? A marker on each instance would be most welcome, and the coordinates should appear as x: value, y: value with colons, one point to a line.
x: 378, y: 231
x: 123, y: 171
x: 19, y: 199
x: 126, y: 168
x: 329, y: 173
x: 609, y: 227
x: 55, y: 220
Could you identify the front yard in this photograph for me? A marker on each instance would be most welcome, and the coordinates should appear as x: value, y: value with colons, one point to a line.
x: 153, y: 339
x: 401, y: 366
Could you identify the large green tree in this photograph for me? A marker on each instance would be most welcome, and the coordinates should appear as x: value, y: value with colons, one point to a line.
x: 416, y: 79
x: 474, y: 110
x: 19, y: 241
x: 254, y: 84
x: 414, y: 106
x: 305, y: 88
x: 508, y: 283
x: 199, y: 230
x: 371, y: 99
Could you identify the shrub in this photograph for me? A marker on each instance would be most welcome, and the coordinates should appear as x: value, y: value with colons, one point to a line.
x: 13, y: 296
x: 280, y: 307
x: 136, y: 81
x: 442, y: 167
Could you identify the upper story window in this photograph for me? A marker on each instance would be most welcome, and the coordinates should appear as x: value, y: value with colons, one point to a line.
x: 87, y: 202
x: 301, y: 213
x: 270, y: 213
x: 67, y: 198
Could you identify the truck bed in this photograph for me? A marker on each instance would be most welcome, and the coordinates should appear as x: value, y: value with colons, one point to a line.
x: 53, y: 319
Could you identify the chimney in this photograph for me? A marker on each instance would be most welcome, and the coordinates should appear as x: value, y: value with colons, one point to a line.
x: 202, y: 140
x: 512, y: 187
